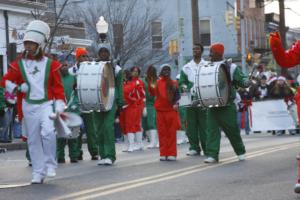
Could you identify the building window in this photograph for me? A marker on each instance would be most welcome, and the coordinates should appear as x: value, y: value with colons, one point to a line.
x: 118, y: 36
x: 156, y: 33
x: 205, y: 36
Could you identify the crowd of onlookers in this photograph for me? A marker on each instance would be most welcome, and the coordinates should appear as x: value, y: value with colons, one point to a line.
x: 267, y: 85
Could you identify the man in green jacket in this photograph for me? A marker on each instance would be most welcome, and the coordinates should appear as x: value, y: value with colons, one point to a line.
x: 225, y: 117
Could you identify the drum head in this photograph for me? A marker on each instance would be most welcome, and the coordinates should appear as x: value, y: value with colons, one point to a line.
x: 223, y: 84
x: 107, y: 86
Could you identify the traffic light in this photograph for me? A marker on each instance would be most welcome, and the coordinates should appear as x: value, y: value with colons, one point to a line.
x: 249, y: 58
x: 237, y: 22
x: 229, y: 17
x: 173, y: 47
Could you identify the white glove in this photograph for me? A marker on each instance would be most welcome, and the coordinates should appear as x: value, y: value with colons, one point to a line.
x: 23, y: 88
x: 145, y: 112
x: 10, y: 87
x: 59, y: 106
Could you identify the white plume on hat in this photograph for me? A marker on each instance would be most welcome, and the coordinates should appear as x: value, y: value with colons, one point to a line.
x: 281, y: 78
x: 37, y: 31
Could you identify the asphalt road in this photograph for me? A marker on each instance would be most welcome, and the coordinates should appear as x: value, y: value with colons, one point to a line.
x: 269, y: 173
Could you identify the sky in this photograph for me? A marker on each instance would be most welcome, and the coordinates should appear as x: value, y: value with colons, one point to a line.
x: 292, y: 16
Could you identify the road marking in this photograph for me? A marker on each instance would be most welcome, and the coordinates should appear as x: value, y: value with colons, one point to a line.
x: 6, y: 186
x: 126, y: 185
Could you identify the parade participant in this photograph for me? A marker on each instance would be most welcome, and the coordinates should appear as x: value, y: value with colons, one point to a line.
x: 150, y: 118
x: 195, y: 116
x: 68, y: 83
x: 225, y: 117
x: 180, y: 134
x: 104, y: 121
x: 134, y: 94
x: 26, y: 75
x: 287, y: 59
x: 166, y: 104
x: 88, y: 117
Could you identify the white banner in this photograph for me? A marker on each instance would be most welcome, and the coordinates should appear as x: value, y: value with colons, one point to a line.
x: 271, y: 115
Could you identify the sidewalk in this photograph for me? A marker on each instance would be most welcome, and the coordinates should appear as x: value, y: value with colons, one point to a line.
x: 17, y: 144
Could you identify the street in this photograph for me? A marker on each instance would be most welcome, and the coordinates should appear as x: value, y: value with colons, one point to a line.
x: 269, y: 172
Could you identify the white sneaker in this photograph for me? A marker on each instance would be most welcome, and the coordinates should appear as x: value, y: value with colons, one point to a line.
x: 101, y: 162
x: 242, y: 157
x: 51, y: 172
x: 37, y: 180
x: 108, y: 161
x: 171, y: 158
x: 297, y: 188
x: 192, y: 153
x: 210, y: 160
x: 163, y: 158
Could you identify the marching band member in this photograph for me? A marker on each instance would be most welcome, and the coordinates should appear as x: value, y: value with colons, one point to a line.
x: 68, y: 83
x: 88, y: 117
x: 150, y: 118
x: 195, y: 116
x: 225, y: 117
x: 166, y: 104
x: 134, y: 94
x: 104, y: 121
x: 287, y: 59
x: 26, y: 75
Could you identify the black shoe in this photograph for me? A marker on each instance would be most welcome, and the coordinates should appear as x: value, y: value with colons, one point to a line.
x: 74, y: 160
x: 61, y: 160
x: 94, y: 157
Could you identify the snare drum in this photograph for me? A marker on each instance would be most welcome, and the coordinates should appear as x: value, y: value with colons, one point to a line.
x: 212, y: 85
x: 95, y: 86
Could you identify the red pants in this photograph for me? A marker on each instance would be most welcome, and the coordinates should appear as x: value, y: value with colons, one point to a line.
x: 168, y: 122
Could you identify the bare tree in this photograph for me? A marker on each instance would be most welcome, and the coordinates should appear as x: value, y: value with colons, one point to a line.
x: 135, y: 22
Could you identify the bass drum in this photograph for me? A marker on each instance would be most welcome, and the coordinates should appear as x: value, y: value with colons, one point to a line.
x: 95, y: 86
x: 212, y: 85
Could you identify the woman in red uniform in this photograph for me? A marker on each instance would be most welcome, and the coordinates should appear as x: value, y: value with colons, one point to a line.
x: 166, y: 105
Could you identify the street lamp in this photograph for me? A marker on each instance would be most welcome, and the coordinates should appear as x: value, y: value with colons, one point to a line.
x: 102, y: 28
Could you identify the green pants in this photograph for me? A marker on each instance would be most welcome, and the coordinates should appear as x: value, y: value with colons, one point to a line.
x: 27, y: 153
x: 196, y: 128
x: 105, y: 133
x: 90, y: 128
x: 149, y: 122
x: 226, y: 119
x: 73, y: 149
x: 182, y: 114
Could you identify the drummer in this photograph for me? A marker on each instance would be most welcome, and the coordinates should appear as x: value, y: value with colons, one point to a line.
x: 195, y: 116
x: 88, y: 117
x: 105, y: 120
x: 225, y: 117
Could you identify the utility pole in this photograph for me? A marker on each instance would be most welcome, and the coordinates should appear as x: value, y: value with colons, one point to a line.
x: 195, y: 21
x: 282, y: 29
x: 243, y: 39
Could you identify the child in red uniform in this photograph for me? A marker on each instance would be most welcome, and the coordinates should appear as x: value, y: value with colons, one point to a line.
x: 166, y: 105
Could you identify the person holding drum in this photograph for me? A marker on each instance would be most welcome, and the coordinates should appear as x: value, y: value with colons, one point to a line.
x: 68, y: 83
x: 38, y: 77
x: 88, y: 116
x: 225, y: 117
x: 166, y: 104
x: 195, y: 116
x: 104, y: 120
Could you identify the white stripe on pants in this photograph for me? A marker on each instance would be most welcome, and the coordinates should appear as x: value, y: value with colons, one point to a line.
x: 41, y: 137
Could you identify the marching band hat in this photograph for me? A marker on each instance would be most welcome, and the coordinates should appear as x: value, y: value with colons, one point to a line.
x: 217, y: 48
x: 80, y: 52
x: 38, y: 32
